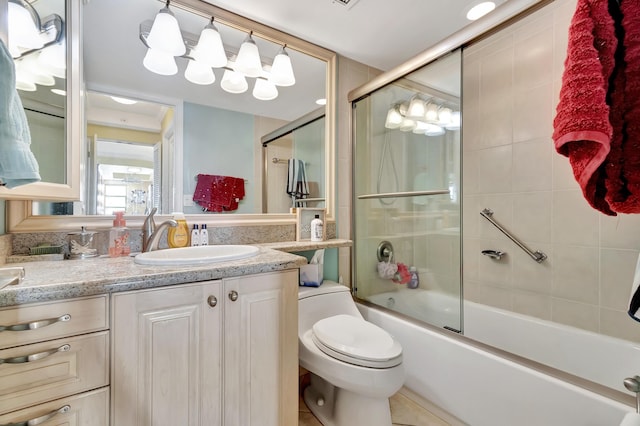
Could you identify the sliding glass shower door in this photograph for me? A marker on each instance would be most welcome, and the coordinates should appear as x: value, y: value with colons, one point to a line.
x: 406, y: 176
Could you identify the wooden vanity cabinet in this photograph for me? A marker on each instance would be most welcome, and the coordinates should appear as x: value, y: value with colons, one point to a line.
x: 55, y: 363
x: 221, y: 352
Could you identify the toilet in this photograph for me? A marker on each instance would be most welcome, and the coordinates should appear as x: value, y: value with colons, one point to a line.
x: 355, y: 365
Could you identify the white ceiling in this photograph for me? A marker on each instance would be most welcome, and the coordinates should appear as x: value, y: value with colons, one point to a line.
x: 378, y: 33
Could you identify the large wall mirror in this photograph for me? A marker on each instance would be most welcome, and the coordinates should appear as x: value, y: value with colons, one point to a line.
x: 151, y: 136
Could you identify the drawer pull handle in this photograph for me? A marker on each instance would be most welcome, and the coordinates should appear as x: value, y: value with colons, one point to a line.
x: 34, y: 357
x: 35, y: 324
x: 41, y: 419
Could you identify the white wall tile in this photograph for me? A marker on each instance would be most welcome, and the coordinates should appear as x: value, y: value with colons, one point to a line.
x: 619, y: 324
x: 576, y: 314
x: 532, y: 166
x: 616, y: 277
x: 532, y: 216
x: 532, y: 116
x: 532, y: 304
x: 574, y: 221
x: 533, y: 65
x: 495, y: 169
x: 622, y: 231
x: 530, y: 275
x: 576, y: 273
x: 562, y: 172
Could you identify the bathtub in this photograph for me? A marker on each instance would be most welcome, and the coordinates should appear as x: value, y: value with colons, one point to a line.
x: 480, y: 387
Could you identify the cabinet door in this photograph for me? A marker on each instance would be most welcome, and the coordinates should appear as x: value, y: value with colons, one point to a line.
x: 166, y: 351
x: 261, y: 350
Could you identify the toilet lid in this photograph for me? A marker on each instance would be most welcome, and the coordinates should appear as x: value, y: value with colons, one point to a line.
x: 357, y: 341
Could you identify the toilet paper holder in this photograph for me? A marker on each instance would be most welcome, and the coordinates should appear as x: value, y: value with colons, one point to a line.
x: 633, y: 384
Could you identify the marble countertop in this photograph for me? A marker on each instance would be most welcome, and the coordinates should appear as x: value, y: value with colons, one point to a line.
x: 54, y: 280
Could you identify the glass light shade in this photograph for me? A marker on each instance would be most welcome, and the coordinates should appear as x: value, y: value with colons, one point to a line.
x: 25, y: 80
x: 233, y: 82
x: 455, y: 121
x: 264, y: 90
x: 444, y: 116
x: 281, y: 70
x: 434, y: 130
x: 199, y: 73
x: 165, y: 34
x: 40, y: 75
x: 60, y: 92
x: 23, y: 31
x: 421, y: 127
x: 210, y: 50
x: 416, y: 108
x: 160, y: 62
x: 394, y: 119
x: 407, y: 125
x: 248, y: 60
x: 431, y: 113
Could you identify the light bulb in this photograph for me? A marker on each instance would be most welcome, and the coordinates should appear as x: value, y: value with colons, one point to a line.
x: 233, y: 82
x: 281, y: 70
x: 165, y: 35
x: 199, y: 73
x: 264, y: 90
x: 160, y: 63
x: 210, y: 50
x: 248, y: 60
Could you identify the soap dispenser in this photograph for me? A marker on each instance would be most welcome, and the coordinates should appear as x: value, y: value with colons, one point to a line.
x: 119, y: 237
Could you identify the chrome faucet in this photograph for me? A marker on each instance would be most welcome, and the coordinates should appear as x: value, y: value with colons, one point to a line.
x: 151, y: 233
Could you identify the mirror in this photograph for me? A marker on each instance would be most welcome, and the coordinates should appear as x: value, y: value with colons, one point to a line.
x: 48, y: 89
x: 208, y: 121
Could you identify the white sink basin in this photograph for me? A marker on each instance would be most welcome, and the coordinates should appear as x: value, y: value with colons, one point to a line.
x: 196, y: 255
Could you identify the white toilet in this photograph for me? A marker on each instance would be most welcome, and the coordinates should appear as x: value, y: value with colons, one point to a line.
x: 355, y: 365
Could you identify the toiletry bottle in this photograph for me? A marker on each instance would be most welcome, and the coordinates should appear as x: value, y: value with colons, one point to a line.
x: 204, y: 235
x: 414, y: 281
x: 195, y: 236
x: 119, y: 237
x: 178, y: 236
x: 316, y: 229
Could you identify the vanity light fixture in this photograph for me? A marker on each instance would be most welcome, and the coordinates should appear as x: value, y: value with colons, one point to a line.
x: 199, y: 73
x: 210, y: 50
x: 160, y: 62
x: 394, y: 118
x: 264, y: 89
x: 165, y: 35
x: 24, y: 27
x: 281, y: 70
x: 420, y: 117
x: 416, y: 108
x: 233, y: 82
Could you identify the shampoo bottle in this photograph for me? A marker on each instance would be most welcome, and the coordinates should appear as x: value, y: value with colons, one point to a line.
x: 204, y: 235
x: 119, y: 237
x: 178, y: 236
x: 195, y: 236
x: 414, y: 281
x: 316, y: 229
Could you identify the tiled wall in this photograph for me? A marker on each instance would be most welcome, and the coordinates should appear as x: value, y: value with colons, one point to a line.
x: 510, y: 89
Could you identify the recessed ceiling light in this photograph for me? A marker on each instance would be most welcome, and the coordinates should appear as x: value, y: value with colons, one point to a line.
x: 321, y: 101
x: 59, y: 92
x: 480, y: 9
x: 124, y: 101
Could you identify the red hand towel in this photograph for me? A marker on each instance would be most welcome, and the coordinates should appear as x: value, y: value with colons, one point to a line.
x: 582, y: 130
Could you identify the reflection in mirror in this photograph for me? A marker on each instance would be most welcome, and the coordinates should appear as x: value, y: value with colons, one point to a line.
x: 216, y: 133
x: 37, y: 43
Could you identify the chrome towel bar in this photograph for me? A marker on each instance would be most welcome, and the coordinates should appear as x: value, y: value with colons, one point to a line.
x: 537, y: 255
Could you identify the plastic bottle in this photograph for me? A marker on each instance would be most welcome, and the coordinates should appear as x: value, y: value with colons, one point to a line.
x: 178, y: 236
x: 414, y: 281
x: 204, y: 235
x: 119, y: 237
x: 316, y: 229
x: 195, y: 236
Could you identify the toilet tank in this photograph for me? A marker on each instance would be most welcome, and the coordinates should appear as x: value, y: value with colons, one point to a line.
x: 316, y: 303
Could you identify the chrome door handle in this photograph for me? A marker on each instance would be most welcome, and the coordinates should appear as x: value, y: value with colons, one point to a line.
x: 33, y: 325
x: 34, y: 357
x: 39, y: 420
x: 212, y: 301
x: 233, y: 295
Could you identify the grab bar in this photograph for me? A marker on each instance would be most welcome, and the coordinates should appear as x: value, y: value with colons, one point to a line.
x: 538, y: 256
x: 403, y: 194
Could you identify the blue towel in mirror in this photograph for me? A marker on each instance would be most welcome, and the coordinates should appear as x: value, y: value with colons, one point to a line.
x: 18, y: 166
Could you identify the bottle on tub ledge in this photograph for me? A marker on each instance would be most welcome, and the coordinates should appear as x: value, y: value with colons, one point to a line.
x: 414, y: 281
x: 178, y: 236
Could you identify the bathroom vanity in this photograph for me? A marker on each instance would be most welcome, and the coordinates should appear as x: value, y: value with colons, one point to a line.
x: 117, y: 343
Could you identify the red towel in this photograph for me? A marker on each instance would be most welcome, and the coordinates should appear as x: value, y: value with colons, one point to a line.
x: 218, y: 193
x: 582, y: 130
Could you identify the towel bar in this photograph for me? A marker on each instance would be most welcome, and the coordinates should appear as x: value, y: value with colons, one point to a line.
x: 538, y: 256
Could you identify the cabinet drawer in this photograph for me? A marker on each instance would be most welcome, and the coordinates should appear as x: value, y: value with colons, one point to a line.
x: 25, y: 324
x: 62, y: 367
x: 86, y: 409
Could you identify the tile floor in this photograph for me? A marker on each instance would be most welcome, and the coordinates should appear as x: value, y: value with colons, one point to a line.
x: 404, y: 412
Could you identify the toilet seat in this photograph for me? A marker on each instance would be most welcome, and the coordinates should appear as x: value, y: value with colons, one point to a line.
x: 356, y: 341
